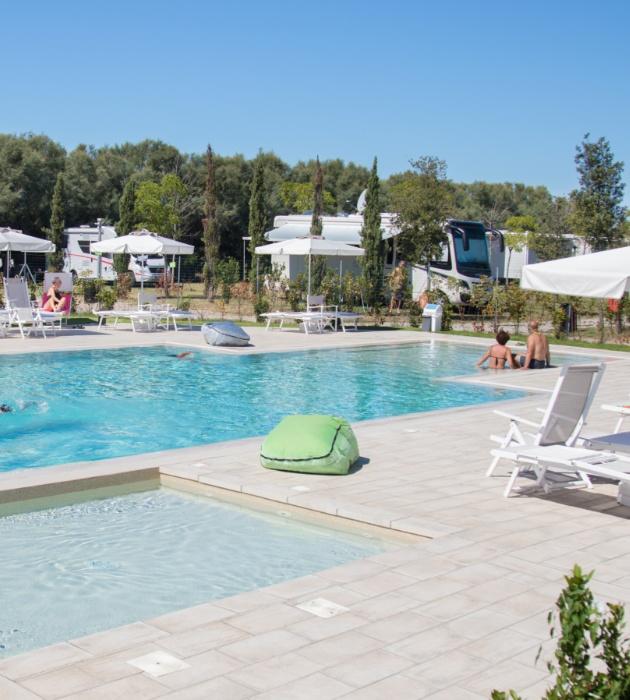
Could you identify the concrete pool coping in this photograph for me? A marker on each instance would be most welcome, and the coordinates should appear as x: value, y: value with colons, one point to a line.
x: 447, y: 617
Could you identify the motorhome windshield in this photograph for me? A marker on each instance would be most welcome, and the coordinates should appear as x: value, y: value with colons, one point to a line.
x: 471, y: 255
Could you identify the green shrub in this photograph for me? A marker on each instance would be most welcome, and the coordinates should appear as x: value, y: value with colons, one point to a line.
x: 261, y: 306
x: 586, y: 632
x: 106, y: 297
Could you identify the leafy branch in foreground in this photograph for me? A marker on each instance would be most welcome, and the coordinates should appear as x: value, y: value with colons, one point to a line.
x: 586, y: 633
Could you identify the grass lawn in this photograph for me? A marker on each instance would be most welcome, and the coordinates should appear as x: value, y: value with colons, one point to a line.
x: 620, y: 347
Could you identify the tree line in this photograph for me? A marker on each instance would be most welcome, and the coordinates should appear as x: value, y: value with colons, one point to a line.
x: 170, y: 189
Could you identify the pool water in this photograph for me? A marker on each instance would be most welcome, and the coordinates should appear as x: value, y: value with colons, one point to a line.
x: 71, y: 571
x: 88, y: 405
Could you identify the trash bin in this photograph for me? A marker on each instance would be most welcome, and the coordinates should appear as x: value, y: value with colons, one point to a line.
x: 432, y: 318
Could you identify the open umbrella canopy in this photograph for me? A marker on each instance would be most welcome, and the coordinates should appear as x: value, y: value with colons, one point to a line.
x: 13, y: 240
x: 604, y: 275
x: 309, y: 245
x: 142, y: 243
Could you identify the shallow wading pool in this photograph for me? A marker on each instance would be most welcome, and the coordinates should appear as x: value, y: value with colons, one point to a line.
x: 98, y: 404
x: 71, y: 571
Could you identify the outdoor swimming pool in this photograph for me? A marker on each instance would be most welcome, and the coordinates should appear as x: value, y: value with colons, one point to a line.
x: 71, y: 571
x: 88, y: 405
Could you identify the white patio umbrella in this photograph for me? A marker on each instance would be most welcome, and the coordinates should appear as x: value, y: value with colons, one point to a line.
x: 604, y: 275
x: 310, y: 245
x: 142, y: 242
x: 12, y: 240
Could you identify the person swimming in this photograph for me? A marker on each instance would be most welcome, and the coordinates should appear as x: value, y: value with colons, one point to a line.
x: 5, y: 408
x: 182, y: 355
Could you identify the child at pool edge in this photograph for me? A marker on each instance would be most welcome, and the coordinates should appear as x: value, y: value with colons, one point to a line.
x: 499, y: 353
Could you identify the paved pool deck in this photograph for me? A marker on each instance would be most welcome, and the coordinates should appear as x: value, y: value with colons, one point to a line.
x: 449, y: 615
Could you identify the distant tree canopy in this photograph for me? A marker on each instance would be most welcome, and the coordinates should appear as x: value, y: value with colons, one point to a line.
x: 94, y: 180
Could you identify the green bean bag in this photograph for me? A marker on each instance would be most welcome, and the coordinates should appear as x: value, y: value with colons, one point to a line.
x: 310, y: 444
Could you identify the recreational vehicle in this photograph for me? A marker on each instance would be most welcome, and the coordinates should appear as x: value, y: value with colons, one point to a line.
x: 463, y: 261
x: 81, y: 262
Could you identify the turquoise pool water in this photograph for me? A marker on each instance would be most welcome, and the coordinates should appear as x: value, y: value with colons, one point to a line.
x: 87, y: 405
x: 71, y: 571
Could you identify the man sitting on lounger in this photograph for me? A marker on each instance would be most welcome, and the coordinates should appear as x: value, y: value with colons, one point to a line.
x: 537, y: 355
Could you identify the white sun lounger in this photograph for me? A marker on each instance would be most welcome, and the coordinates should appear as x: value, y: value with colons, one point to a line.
x: 561, y: 425
x: 23, y: 314
x: 559, y: 466
x: 622, y: 412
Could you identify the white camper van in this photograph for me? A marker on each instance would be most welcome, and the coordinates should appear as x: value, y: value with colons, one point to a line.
x: 81, y: 262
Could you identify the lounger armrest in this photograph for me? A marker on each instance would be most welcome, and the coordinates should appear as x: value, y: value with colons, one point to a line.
x: 517, y: 419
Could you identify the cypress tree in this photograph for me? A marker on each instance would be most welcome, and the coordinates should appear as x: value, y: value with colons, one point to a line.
x: 599, y: 214
x: 57, y: 225
x: 258, y: 218
x: 318, y: 262
x: 211, y: 240
x: 372, y: 242
x: 126, y: 208
x: 318, y: 200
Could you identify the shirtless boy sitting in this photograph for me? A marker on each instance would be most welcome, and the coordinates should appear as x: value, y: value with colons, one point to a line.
x: 537, y: 355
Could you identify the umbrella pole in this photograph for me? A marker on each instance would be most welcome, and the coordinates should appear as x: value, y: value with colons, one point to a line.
x: 308, y: 289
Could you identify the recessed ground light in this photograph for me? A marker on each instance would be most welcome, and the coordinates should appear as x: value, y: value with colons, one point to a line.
x: 322, y: 607
x: 158, y: 663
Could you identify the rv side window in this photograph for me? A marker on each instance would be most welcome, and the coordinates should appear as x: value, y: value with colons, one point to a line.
x: 84, y: 246
x: 444, y: 261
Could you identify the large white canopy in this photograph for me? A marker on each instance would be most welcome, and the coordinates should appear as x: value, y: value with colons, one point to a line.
x: 310, y: 246
x: 604, y: 275
x: 142, y: 243
x: 13, y: 240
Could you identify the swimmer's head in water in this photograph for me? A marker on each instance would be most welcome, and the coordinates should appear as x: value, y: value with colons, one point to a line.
x: 5, y: 408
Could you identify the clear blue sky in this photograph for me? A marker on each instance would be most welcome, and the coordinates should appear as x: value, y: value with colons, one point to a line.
x: 502, y: 91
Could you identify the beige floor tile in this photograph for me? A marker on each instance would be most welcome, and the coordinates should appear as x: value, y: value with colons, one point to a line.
x: 500, y: 645
x: 368, y: 668
x: 335, y: 650
x: 199, y: 639
x: 480, y: 623
x: 395, y: 687
x: 41, y: 661
x: 448, y: 668
x: 138, y: 687
x: 219, y: 688
x: 504, y: 676
x: 189, y: 618
x: 400, y: 626
x: 57, y: 684
x: 275, y: 672
x: 319, y: 686
x: 268, y: 618
x: 264, y: 646
x: 455, y: 693
x: 203, y: 667
x: 119, y: 638
x: 13, y: 691
x: 426, y: 645
x: 318, y: 628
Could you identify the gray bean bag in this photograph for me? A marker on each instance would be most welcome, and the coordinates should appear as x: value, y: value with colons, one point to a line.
x: 224, y: 334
